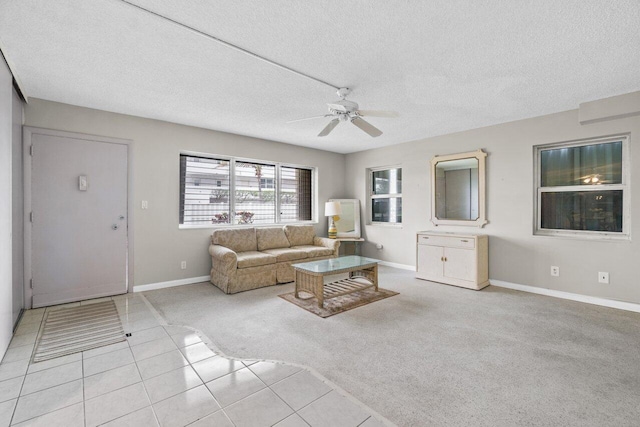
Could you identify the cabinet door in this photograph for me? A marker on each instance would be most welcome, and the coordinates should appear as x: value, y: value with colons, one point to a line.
x: 429, y: 262
x: 460, y: 264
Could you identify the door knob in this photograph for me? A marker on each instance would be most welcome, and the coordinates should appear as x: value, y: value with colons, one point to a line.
x: 114, y: 227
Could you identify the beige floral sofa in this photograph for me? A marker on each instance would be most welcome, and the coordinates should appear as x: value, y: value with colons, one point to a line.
x: 249, y: 258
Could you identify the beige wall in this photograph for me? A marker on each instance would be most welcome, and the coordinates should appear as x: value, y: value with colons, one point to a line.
x: 159, y: 246
x: 516, y: 255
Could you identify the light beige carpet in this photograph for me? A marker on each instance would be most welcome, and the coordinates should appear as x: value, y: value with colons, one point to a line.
x: 439, y: 355
x: 75, y: 329
x: 338, y: 304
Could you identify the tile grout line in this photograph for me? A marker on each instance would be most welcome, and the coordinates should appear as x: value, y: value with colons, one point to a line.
x: 120, y: 388
x: 40, y: 330
x: 46, y: 413
x: 173, y: 395
x: 153, y: 410
x: 368, y: 418
x: 209, y: 343
x: 276, y: 394
x: 296, y: 411
x: 24, y: 377
x: 162, y: 323
x: 49, y: 388
x: 84, y: 396
x: 267, y: 387
x: 205, y: 385
x: 17, y: 400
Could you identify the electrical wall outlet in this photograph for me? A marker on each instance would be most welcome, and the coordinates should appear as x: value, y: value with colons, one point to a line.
x: 555, y: 271
x: 145, y: 204
x: 603, y: 277
x: 379, y: 246
x: 183, y: 265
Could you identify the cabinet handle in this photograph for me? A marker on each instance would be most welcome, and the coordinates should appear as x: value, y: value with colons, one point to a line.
x: 442, y: 258
x: 445, y: 259
x: 464, y: 241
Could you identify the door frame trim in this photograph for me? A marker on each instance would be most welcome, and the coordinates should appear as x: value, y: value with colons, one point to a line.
x: 27, y: 135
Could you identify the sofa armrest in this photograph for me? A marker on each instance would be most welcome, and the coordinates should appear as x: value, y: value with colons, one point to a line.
x: 332, y: 244
x: 223, y: 258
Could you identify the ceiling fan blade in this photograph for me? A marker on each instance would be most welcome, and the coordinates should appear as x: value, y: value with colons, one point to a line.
x: 378, y: 113
x: 328, y: 128
x: 366, y: 126
x: 309, y: 118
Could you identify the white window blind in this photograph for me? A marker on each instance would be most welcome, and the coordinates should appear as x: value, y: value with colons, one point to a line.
x: 295, y: 194
x: 204, y: 190
x: 232, y: 191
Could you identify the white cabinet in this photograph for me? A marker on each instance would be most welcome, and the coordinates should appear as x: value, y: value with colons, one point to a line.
x: 455, y: 259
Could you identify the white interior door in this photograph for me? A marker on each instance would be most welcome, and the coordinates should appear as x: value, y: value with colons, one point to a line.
x: 79, y: 223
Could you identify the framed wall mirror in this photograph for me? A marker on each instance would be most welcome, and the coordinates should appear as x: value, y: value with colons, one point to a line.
x: 458, y: 189
x: 349, y: 223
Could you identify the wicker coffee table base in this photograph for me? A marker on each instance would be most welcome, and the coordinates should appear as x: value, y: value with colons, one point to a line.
x: 359, y: 278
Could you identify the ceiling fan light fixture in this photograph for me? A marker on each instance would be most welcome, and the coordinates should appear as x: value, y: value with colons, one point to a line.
x: 344, y: 110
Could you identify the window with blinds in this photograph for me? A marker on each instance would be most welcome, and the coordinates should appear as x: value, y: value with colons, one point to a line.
x: 295, y: 194
x: 232, y: 191
x: 255, y: 202
x: 204, y: 190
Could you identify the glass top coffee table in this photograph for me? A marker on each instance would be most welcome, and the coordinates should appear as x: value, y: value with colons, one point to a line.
x: 363, y: 274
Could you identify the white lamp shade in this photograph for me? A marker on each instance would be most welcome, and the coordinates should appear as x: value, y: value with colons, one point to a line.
x: 332, y: 209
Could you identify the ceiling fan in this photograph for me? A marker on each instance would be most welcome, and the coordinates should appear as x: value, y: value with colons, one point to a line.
x: 344, y: 110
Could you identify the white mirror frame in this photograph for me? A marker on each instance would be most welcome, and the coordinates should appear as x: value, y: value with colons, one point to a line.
x: 356, y: 218
x: 482, y: 217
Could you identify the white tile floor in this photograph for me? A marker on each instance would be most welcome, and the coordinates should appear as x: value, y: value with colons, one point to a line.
x: 162, y: 376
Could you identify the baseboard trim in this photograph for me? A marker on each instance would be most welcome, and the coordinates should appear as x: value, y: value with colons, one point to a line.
x: 396, y: 265
x: 171, y: 283
x: 621, y: 305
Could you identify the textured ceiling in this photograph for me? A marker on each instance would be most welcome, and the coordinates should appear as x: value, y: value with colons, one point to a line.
x: 444, y: 66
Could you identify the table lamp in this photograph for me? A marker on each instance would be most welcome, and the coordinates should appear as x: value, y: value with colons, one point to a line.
x: 332, y: 210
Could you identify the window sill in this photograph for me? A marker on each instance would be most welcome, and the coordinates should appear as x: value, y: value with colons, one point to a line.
x: 385, y: 224
x: 216, y: 226
x: 585, y: 235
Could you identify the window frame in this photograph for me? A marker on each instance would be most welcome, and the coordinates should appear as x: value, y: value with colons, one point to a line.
x: 232, y: 182
x: 371, y: 196
x: 624, y: 186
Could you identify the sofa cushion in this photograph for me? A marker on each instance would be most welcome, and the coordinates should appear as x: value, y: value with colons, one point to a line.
x: 314, y: 251
x: 286, y: 254
x: 254, y: 259
x: 300, y: 235
x: 236, y: 239
x: 272, y: 237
